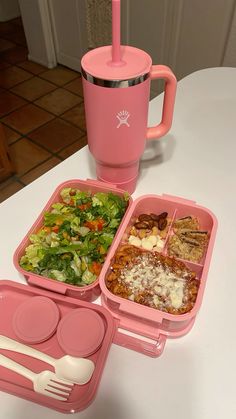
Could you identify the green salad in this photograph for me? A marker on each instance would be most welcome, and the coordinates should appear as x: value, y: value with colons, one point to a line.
x: 76, y: 234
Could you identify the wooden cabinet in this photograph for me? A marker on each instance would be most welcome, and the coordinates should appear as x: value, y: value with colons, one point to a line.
x: 6, y: 167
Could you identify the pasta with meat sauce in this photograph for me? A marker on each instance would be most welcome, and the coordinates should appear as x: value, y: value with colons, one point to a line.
x: 152, y: 279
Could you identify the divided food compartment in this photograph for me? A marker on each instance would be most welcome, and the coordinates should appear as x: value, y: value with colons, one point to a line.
x: 140, y: 327
x: 88, y: 292
x: 19, y: 319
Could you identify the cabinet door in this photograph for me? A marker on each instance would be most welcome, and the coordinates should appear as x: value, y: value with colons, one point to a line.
x: 187, y: 35
x: 6, y: 168
x: 68, y: 19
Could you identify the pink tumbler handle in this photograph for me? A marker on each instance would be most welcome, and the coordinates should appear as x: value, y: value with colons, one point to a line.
x: 164, y: 72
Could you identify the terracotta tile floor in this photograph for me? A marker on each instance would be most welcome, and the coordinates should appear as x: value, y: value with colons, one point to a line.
x: 41, y: 110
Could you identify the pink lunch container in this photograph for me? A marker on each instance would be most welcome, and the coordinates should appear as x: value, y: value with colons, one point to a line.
x: 86, y: 293
x: 139, y: 327
x: 26, y: 315
x: 124, y: 322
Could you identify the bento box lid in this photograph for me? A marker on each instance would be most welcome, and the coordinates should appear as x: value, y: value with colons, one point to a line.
x: 58, y: 331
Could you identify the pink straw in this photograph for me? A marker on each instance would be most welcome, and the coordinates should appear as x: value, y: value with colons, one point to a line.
x: 115, y: 31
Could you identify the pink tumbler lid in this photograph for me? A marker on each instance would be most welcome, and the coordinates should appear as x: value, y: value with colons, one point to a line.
x: 134, y: 63
x: 36, y: 319
x: 81, y: 332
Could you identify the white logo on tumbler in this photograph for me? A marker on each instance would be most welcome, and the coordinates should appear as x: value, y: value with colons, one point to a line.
x: 123, y: 118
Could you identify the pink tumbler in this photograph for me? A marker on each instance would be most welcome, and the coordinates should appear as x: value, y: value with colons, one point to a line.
x: 116, y: 85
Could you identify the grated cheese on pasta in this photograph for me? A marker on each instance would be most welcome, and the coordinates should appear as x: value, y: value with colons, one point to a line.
x: 162, y: 283
x: 152, y: 279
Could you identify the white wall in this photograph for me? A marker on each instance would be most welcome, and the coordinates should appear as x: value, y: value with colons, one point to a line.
x: 229, y: 59
x: 9, y: 9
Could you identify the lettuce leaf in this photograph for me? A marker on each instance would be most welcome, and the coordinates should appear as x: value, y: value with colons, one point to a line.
x: 64, y: 253
x: 34, y: 253
x: 88, y: 277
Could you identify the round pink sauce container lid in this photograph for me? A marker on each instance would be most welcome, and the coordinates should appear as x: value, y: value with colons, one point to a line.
x: 36, y: 319
x: 134, y: 63
x: 81, y: 332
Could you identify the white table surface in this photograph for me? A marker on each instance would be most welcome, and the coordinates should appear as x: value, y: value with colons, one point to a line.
x: 195, y: 376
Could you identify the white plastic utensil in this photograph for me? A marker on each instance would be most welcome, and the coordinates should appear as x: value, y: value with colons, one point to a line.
x: 76, y: 370
x: 46, y: 382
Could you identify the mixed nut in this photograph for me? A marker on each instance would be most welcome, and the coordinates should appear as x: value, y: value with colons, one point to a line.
x: 151, y: 220
x: 149, y: 230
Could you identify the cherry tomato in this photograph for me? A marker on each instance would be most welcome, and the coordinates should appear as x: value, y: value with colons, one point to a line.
x: 95, y: 225
x: 95, y: 268
x: 83, y: 207
x: 55, y: 229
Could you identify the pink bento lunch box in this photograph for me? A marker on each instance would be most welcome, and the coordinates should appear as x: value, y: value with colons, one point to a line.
x: 46, y: 315
x: 139, y: 327
x: 126, y: 323
x: 48, y: 322
x: 86, y: 293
